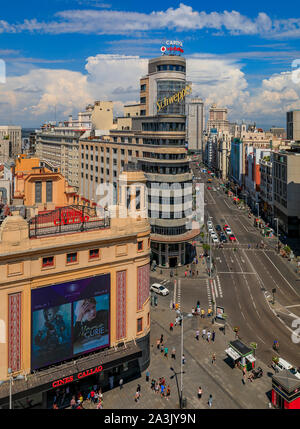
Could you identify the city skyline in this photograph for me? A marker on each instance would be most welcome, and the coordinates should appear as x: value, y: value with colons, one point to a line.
x: 56, y: 63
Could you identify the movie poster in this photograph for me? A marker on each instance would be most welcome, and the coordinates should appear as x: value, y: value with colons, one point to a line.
x: 69, y: 319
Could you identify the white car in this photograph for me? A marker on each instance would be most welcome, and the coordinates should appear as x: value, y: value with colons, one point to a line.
x: 213, y: 234
x: 210, y: 229
x: 282, y: 364
x: 228, y: 231
x: 209, y: 223
x: 160, y: 289
x: 295, y: 372
x: 215, y: 240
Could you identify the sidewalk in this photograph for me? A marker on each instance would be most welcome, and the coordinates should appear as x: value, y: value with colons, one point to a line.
x: 219, y: 379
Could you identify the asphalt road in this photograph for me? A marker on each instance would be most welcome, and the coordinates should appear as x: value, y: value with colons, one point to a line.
x: 245, y: 278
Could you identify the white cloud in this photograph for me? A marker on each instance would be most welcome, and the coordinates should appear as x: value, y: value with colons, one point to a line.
x: 30, y: 98
x: 182, y: 18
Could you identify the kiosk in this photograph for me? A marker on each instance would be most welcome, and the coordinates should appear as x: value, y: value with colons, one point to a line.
x: 286, y: 390
x: 241, y: 355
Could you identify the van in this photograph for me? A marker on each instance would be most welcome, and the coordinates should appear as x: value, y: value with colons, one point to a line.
x: 282, y: 364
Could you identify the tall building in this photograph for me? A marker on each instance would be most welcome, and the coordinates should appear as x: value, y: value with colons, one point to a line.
x: 293, y: 125
x: 10, y: 142
x: 217, y: 119
x: 286, y: 189
x: 75, y: 305
x: 152, y: 134
x: 195, y: 124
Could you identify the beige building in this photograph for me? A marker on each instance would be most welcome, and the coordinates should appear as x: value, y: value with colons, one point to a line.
x: 10, y: 142
x: 293, y: 125
x: 217, y: 119
x: 53, y: 269
x: 195, y: 124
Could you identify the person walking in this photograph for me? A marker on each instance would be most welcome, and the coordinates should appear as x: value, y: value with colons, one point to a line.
x: 168, y: 392
x: 183, y: 359
x: 173, y: 355
x: 171, y: 326
x: 203, y: 333
x: 208, y: 336
x: 138, y: 389
x: 162, y: 348
x: 137, y: 396
x: 156, y: 388
x: 158, y: 343
x: 199, y: 392
x: 162, y: 389
x: 213, y: 336
x: 210, y: 399
x: 166, y: 352
x: 147, y: 375
x: 197, y: 335
x: 152, y: 384
x: 213, y: 358
x: 161, y: 339
x: 121, y: 383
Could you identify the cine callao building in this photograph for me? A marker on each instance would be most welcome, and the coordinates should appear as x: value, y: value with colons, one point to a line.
x: 74, y: 300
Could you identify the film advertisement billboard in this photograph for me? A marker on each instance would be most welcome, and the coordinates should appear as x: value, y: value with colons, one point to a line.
x: 69, y: 319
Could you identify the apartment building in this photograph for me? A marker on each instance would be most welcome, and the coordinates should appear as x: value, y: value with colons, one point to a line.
x: 293, y: 125
x: 195, y: 124
x: 266, y: 187
x: 217, y: 119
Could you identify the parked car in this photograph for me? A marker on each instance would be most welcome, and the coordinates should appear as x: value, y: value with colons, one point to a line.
x: 159, y: 289
x: 295, y: 372
x: 218, y: 228
x: 281, y: 365
x: 223, y: 238
x: 225, y: 227
x: 213, y: 234
x: 209, y: 223
x: 215, y: 239
x: 228, y: 231
x: 232, y: 237
x: 209, y: 188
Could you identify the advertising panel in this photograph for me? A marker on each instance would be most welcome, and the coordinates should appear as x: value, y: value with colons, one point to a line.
x: 219, y: 312
x: 69, y: 319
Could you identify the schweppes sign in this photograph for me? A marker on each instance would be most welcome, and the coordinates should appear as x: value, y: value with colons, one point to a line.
x: 176, y: 98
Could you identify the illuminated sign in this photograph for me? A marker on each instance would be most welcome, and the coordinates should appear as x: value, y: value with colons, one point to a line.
x: 176, y: 98
x: 173, y: 46
x: 76, y: 377
x: 71, y: 219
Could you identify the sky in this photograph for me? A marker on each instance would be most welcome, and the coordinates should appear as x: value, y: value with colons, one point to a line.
x: 60, y: 55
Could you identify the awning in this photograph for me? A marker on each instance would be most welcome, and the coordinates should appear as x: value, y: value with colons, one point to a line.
x: 232, y: 353
x: 251, y: 358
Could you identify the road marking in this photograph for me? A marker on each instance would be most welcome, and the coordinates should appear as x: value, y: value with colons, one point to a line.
x: 215, y: 289
x: 243, y: 315
x: 295, y: 305
x: 234, y: 272
x: 219, y: 286
x: 281, y: 274
x: 208, y: 294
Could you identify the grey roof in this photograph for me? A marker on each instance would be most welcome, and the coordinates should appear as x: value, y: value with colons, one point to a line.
x: 287, y: 380
x: 240, y: 347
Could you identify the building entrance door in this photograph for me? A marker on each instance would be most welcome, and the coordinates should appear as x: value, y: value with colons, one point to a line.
x: 173, y: 262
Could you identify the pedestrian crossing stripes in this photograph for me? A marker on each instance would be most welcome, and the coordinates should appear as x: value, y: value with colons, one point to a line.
x: 215, y: 289
x: 179, y: 294
x: 219, y: 287
x: 208, y: 294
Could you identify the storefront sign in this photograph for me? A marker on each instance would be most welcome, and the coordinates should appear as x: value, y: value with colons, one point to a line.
x: 77, y: 377
x: 176, y: 98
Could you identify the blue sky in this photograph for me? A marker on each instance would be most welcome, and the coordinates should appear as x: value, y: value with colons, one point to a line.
x: 67, y: 53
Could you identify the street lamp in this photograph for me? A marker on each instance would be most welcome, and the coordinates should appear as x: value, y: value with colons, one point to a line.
x: 257, y: 204
x: 11, y: 382
x: 276, y: 218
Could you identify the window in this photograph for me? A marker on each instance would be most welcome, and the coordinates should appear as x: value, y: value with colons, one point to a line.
x: 143, y: 100
x: 94, y: 254
x: 38, y: 192
x: 49, y: 191
x: 140, y: 325
x: 140, y: 245
x: 48, y: 261
x: 148, y: 318
x: 71, y: 257
x: 143, y: 87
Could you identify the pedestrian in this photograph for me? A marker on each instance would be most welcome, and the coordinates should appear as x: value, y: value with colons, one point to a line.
x: 156, y: 388
x: 210, y: 401
x: 161, y: 339
x: 199, y: 392
x: 158, y: 343
x: 180, y: 320
x: 168, y: 393
x: 162, y: 388
x: 202, y: 314
x: 203, y: 333
x: 152, y: 384
x: 213, y: 359
x: 100, y: 405
x: 121, y: 383
x: 96, y: 397
x: 208, y: 336
x: 92, y: 395
x: 101, y: 394
x: 213, y: 336
x: 166, y: 352
x: 147, y: 375
x: 137, y: 396
x: 185, y: 273
x: 173, y: 355
x: 171, y: 326
x: 163, y: 381
x: 138, y: 389
x: 73, y: 402
x: 197, y: 335
x: 162, y: 348
x: 193, y: 311
x: 183, y: 359
x: 198, y: 311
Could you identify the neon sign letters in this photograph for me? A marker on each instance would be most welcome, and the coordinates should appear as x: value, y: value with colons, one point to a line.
x: 78, y: 376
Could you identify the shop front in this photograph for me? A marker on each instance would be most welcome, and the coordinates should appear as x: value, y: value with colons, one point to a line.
x: 60, y: 382
x: 240, y: 355
x: 286, y: 390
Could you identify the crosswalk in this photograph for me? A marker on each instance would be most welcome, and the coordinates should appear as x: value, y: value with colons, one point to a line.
x: 208, y: 294
x: 219, y: 287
